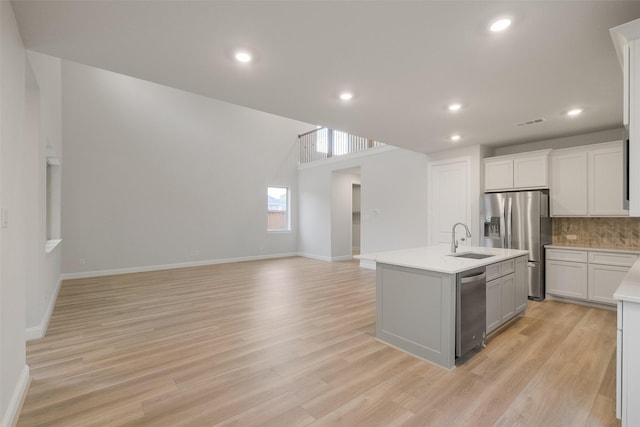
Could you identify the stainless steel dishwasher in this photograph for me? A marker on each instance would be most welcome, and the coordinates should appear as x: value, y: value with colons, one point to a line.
x: 471, y: 310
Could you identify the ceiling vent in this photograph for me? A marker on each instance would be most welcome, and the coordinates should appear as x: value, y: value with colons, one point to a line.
x: 531, y: 122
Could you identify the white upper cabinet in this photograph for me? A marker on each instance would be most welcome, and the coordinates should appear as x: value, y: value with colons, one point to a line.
x: 605, y: 181
x: 531, y: 171
x: 568, y: 192
x: 626, y: 39
x: 587, y: 181
x: 517, y: 172
x: 498, y: 174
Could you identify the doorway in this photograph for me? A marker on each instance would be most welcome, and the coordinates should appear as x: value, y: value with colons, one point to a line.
x: 355, y: 219
x: 345, y: 213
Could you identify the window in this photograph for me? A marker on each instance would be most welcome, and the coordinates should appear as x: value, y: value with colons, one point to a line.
x: 52, y: 203
x: 278, y: 209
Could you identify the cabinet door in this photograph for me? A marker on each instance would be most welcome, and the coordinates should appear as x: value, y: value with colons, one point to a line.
x: 531, y: 172
x: 567, y: 279
x: 568, y: 186
x: 507, y: 297
x: 498, y: 174
x: 605, y: 182
x: 494, y: 314
x: 604, y: 280
x: 522, y: 287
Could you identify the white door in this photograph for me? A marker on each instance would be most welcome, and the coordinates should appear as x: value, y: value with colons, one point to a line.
x: 448, y: 201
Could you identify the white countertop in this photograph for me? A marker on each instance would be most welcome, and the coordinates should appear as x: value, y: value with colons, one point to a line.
x: 594, y: 249
x: 439, y: 259
x: 629, y: 289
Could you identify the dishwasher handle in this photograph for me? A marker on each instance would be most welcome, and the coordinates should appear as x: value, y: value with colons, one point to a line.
x: 470, y: 279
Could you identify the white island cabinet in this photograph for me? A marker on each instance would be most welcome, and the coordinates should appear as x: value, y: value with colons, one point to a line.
x: 416, y: 296
x: 628, y: 351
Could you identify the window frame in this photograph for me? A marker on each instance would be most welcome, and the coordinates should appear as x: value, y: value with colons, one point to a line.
x: 287, y: 210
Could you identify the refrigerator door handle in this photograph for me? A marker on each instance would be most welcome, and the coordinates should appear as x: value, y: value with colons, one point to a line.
x: 508, y: 215
x: 503, y: 229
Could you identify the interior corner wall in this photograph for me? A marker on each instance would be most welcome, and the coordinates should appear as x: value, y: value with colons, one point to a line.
x: 154, y: 176
x: 13, y: 255
x: 42, y: 291
x: 393, y: 201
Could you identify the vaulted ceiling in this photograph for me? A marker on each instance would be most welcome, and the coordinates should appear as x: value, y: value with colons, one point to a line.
x: 404, y: 61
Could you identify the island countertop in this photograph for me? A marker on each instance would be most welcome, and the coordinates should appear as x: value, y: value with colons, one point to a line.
x: 440, y: 259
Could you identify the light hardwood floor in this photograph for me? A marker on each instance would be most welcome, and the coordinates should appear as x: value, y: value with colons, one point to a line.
x: 290, y: 342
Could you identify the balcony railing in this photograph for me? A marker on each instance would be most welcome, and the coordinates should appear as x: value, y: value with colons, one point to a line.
x: 323, y: 143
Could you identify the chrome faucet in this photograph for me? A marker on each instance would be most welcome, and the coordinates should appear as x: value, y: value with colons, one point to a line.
x: 454, y: 242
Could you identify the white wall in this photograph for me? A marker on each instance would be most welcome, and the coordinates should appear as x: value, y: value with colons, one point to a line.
x: 13, y: 200
x: 155, y: 176
x: 46, y: 140
x: 393, y: 184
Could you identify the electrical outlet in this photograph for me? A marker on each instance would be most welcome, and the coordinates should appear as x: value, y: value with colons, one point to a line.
x: 82, y: 261
x: 572, y: 237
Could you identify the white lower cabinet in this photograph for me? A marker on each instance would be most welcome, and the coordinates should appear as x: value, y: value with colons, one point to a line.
x: 586, y: 275
x: 507, y: 297
x: 506, y: 282
x: 522, y: 284
x: 494, y: 318
x: 604, y: 280
x: 567, y: 279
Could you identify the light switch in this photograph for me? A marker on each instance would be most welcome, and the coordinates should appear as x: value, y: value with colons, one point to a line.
x: 5, y: 218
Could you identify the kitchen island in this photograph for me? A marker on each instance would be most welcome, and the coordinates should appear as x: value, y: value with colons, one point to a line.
x: 416, y: 295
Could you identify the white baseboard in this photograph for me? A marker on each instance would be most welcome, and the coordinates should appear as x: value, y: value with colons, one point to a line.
x: 37, y: 332
x: 12, y: 413
x: 365, y: 263
x: 99, y: 273
x: 313, y: 256
x: 342, y: 258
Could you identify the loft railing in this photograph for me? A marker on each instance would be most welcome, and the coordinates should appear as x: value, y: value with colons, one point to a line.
x: 323, y: 143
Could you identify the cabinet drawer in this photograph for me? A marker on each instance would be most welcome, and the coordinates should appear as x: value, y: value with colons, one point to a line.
x: 609, y: 258
x: 567, y: 255
x: 493, y: 271
x: 508, y: 266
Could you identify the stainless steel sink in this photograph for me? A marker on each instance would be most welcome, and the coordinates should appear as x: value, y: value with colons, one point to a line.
x: 472, y: 255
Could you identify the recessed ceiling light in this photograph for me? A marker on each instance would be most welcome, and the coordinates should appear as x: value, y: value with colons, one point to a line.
x: 455, y: 107
x: 500, y: 25
x: 574, y: 112
x: 346, y: 96
x: 455, y: 138
x: 243, y: 56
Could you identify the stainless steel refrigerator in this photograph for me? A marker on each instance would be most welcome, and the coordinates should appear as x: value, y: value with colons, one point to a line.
x: 519, y: 220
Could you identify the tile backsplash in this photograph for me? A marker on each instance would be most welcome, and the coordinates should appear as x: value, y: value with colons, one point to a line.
x: 610, y: 233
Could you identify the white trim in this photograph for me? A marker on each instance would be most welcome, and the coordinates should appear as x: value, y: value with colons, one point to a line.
x: 116, y: 271
x: 50, y: 245
x: 53, y: 161
x: 342, y: 258
x: 37, y: 332
x: 350, y: 156
x: 367, y: 263
x: 12, y: 413
x: 312, y: 256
